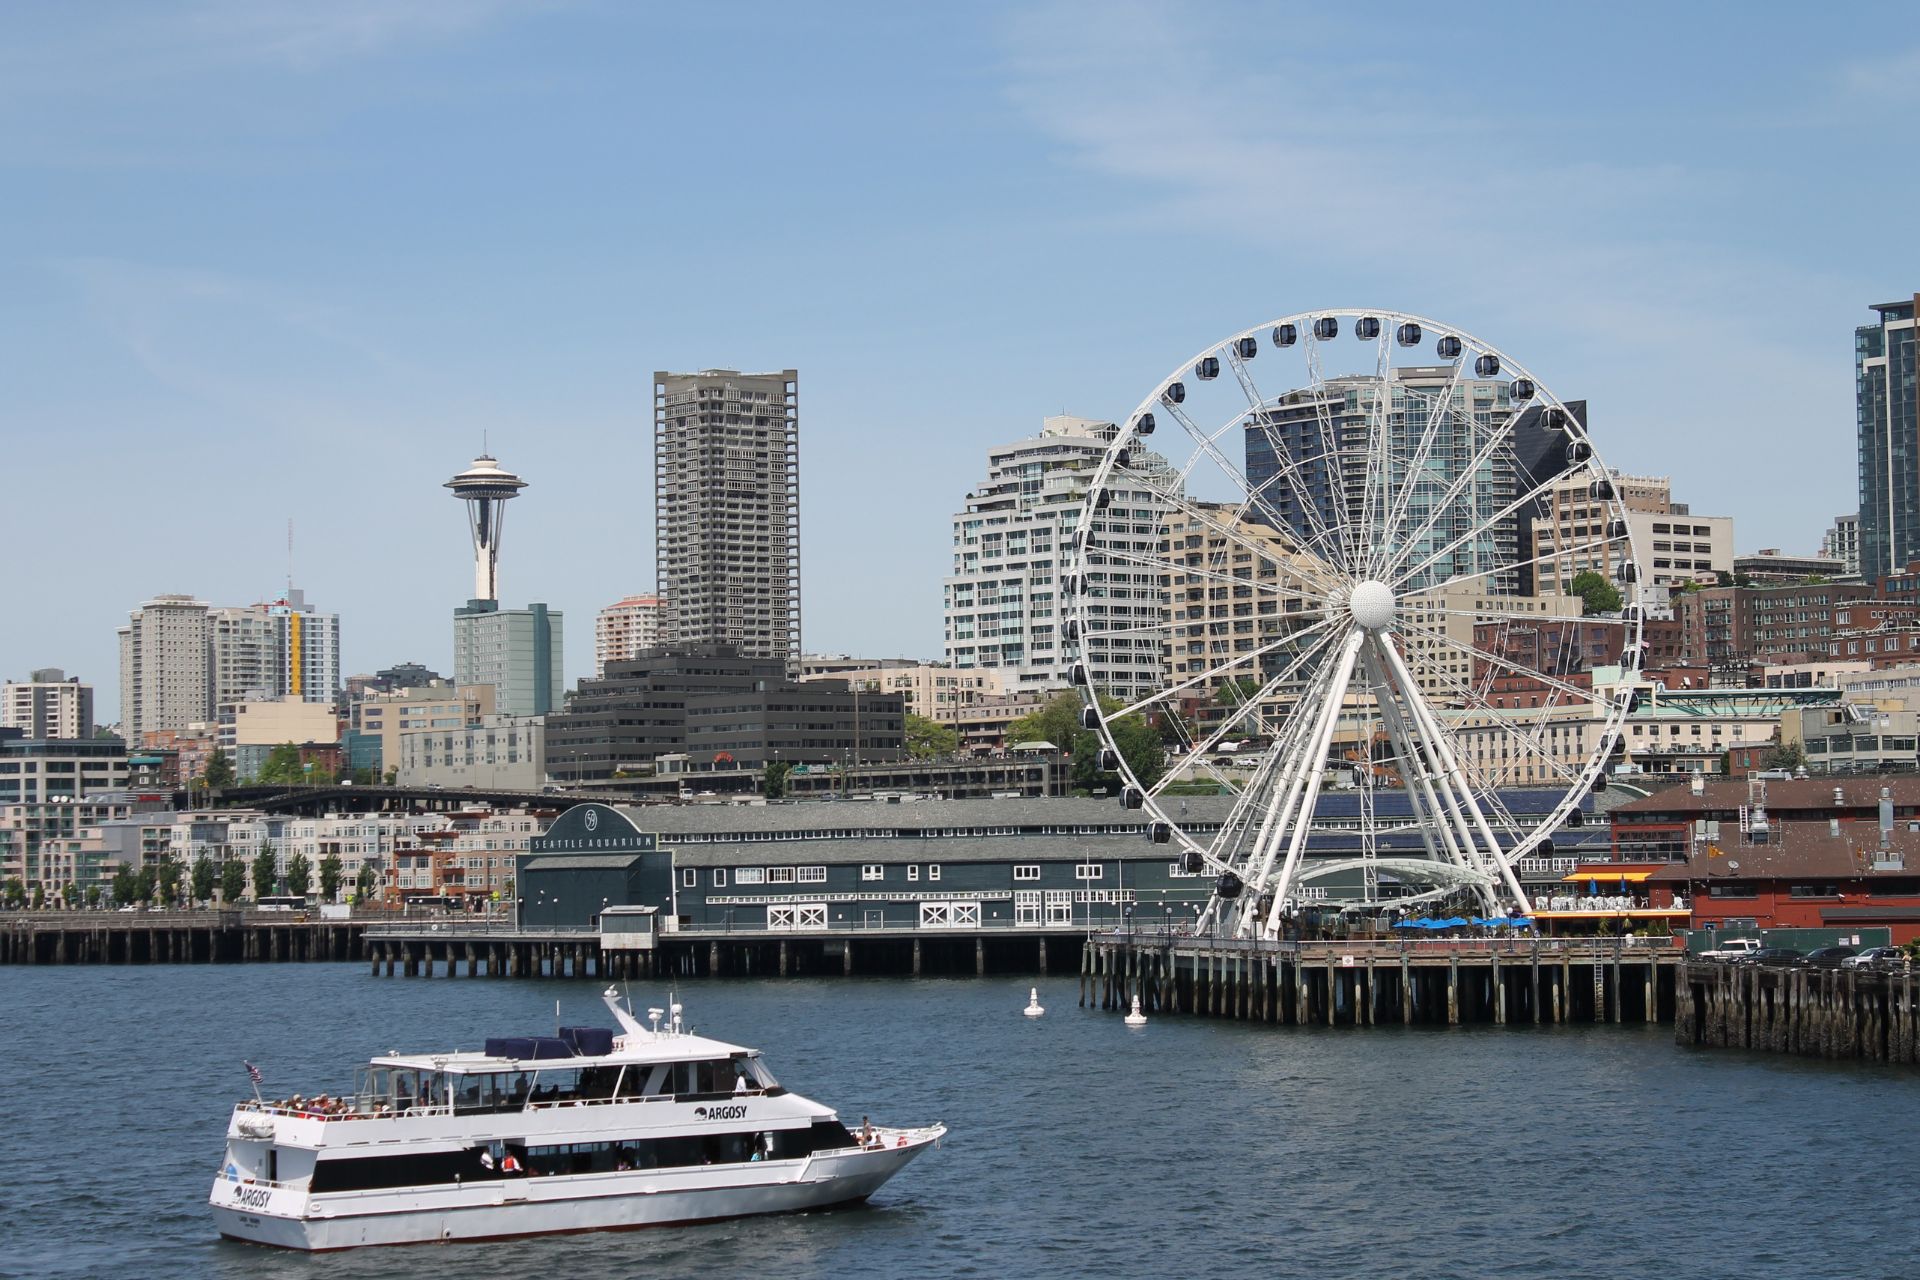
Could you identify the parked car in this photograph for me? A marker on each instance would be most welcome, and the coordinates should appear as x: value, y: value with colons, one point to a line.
x: 1831, y: 957
x: 1733, y: 949
x: 1876, y: 958
x: 1773, y: 956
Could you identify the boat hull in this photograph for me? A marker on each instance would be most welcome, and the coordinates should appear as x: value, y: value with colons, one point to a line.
x: 287, y: 1218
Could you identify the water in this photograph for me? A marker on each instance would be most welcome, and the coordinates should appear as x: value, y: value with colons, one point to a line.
x: 1078, y: 1147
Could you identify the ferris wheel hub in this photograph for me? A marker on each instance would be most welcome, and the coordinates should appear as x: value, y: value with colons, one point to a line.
x: 1372, y: 605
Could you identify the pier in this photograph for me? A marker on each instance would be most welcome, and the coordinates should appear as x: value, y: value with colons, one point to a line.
x: 509, y: 951
x: 1387, y: 981
x: 175, y: 937
x: 1839, y: 1014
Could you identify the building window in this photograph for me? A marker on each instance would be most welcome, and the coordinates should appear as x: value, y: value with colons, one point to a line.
x: 779, y: 875
x: 1088, y: 871
x: 812, y: 875
x: 689, y: 878
x: 1027, y: 871
x: 933, y: 871
x: 873, y: 871
x: 719, y: 877
x: 749, y: 875
x: 913, y: 872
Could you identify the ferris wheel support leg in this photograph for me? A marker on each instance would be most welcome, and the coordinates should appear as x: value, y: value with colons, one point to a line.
x: 1436, y: 736
x: 1458, y: 801
x: 1292, y: 756
x: 1412, y: 772
x: 1432, y: 780
x: 1313, y: 770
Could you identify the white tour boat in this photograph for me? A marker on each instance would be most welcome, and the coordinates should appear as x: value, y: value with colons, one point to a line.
x: 589, y: 1130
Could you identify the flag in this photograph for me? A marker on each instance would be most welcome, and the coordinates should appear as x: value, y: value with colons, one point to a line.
x: 253, y: 1073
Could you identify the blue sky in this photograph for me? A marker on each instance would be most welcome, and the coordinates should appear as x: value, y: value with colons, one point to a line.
x: 263, y: 260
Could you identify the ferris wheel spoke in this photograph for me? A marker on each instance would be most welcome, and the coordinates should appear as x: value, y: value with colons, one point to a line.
x: 1335, y: 456
x: 1468, y: 650
x: 1531, y: 561
x: 1258, y: 410
x: 1498, y: 437
x: 1209, y: 445
x: 1439, y: 410
x: 1496, y: 717
x: 1531, y: 496
x: 1238, y: 660
x: 1266, y: 691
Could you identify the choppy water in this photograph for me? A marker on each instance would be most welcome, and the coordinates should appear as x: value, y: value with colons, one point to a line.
x: 1078, y: 1147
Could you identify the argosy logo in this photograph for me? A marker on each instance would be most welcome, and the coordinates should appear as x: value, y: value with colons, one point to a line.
x: 734, y: 1112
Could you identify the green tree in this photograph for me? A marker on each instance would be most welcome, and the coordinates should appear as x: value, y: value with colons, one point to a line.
x: 1233, y: 693
x: 126, y: 883
x: 330, y: 877
x: 203, y: 878
x: 299, y: 874
x: 266, y: 870
x: 70, y: 896
x: 170, y: 875
x: 39, y: 896
x: 929, y: 739
x: 393, y: 774
x: 366, y: 886
x: 282, y: 768
x: 145, y: 883
x: 1597, y: 595
x: 1059, y: 723
x: 774, y: 782
x: 93, y: 895
x: 366, y: 777
x: 219, y: 771
x: 1787, y: 755
x: 233, y: 881
x: 13, y: 892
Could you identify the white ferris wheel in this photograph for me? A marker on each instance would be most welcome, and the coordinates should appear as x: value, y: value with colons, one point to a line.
x: 1367, y: 560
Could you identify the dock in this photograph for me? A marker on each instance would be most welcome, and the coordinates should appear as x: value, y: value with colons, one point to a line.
x: 1837, y: 1014
x: 175, y: 937
x: 1446, y: 981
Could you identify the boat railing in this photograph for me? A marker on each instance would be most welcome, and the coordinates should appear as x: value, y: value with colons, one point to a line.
x: 366, y: 1109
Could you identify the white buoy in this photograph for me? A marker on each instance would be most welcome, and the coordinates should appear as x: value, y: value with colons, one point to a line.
x: 1033, y: 1009
x: 1136, y: 1018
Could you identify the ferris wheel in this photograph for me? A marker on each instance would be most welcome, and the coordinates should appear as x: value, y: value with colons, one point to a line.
x: 1402, y: 615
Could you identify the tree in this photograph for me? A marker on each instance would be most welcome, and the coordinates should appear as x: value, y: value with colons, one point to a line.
x: 219, y: 771
x: 929, y: 739
x: 368, y: 777
x: 329, y: 877
x: 93, y: 895
x: 393, y: 774
x: 39, y: 896
x: 233, y: 881
x: 126, y: 883
x: 203, y: 878
x: 1787, y: 755
x: 145, y: 883
x: 266, y: 870
x: 1597, y: 595
x: 1059, y: 723
x: 282, y: 768
x: 1233, y: 693
x: 13, y: 893
x: 774, y: 782
x: 70, y: 896
x: 366, y: 886
x: 170, y: 873
x: 299, y: 875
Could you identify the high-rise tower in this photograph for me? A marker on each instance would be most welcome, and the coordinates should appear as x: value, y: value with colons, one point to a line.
x: 726, y: 468
x: 485, y: 488
x: 1886, y: 371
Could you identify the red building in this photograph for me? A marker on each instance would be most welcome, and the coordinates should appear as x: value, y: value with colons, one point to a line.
x: 1788, y: 853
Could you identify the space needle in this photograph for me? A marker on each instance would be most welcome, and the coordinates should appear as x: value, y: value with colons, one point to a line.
x: 485, y: 488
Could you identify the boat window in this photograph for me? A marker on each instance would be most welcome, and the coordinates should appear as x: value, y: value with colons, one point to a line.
x: 754, y: 1070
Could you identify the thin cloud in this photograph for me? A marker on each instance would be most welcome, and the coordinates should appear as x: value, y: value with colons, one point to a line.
x: 1891, y: 79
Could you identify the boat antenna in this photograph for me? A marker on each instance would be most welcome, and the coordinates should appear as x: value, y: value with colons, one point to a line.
x: 556, y: 1018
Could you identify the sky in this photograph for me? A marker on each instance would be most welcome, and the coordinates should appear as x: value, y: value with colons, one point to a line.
x: 269, y: 260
